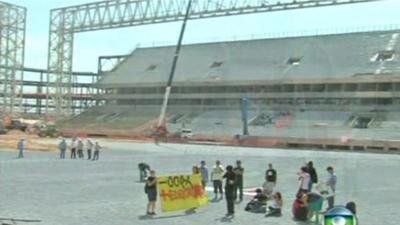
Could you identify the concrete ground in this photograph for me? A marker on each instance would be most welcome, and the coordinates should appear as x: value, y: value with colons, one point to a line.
x: 107, y: 192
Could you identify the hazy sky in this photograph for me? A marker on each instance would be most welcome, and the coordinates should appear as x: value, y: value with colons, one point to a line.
x: 88, y: 46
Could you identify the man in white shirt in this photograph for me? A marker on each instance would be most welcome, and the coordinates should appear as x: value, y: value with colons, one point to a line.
x: 89, y: 146
x: 216, y: 176
x: 73, y: 148
x: 97, y: 148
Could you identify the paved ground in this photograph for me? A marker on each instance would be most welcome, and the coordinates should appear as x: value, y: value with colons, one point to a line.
x: 107, y: 192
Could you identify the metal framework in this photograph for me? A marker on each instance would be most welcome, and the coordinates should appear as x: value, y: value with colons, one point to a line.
x: 34, y: 93
x: 12, y: 46
x: 64, y: 22
x: 109, y: 63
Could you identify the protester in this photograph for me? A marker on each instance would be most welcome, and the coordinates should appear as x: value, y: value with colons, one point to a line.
x: 230, y: 188
x: 80, y: 149
x: 216, y: 177
x: 151, y: 191
x: 313, y: 175
x: 21, y: 148
x: 258, y: 203
x: 204, y: 174
x: 276, y: 208
x: 239, y: 170
x: 143, y: 169
x: 331, y: 183
x: 270, y: 180
x: 97, y: 148
x: 196, y: 170
x: 63, y: 148
x: 304, y: 181
x: 73, y: 148
x: 89, y: 146
x: 314, y: 202
x: 299, y: 210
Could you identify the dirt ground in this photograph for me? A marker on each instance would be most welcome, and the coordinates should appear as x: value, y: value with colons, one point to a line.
x: 34, y: 142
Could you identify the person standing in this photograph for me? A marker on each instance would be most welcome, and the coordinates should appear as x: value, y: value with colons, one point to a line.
x: 216, y: 176
x: 270, y: 180
x: 143, y: 168
x: 239, y: 170
x: 331, y: 183
x: 63, y: 148
x: 97, y: 148
x: 151, y: 191
x: 230, y: 188
x: 80, y: 149
x: 73, y: 148
x: 313, y: 175
x: 21, y: 147
x: 204, y: 174
x: 89, y: 146
x: 304, y: 181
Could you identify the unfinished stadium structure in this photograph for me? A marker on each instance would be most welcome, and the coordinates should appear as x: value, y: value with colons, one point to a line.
x: 337, y: 90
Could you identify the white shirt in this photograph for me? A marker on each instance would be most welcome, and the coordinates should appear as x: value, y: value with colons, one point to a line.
x: 304, y: 180
x: 97, y: 147
x: 217, y: 173
x: 89, y: 145
x: 73, y: 144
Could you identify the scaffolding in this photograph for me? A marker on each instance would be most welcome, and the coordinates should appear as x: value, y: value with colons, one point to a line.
x: 12, y: 45
x: 64, y: 22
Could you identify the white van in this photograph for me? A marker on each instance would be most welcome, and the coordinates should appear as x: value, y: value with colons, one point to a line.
x: 186, y: 133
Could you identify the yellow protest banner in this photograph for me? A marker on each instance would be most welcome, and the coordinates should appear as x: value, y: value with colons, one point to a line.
x: 181, y: 192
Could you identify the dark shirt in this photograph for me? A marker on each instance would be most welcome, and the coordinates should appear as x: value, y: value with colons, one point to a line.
x: 153, y: 186
x: 144, y: 166
x: 260, y: 198
x: 239, y: 173
x: 230, y: 180
x: 313, y: 174
x: 270, y: 175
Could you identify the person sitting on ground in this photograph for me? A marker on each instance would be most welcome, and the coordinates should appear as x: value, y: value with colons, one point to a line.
x: 258, y: 204
x: 352, y: 207
x: 276, y: 208
x: 299, y: 209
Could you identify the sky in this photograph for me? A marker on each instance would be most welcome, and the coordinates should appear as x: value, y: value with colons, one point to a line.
x: 88, y: 46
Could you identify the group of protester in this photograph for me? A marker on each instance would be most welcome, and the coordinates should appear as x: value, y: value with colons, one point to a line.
x: 77, y: 147
x: 308, y: 199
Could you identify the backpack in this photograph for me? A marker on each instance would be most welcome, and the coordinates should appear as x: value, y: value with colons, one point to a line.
x: 352, y: 207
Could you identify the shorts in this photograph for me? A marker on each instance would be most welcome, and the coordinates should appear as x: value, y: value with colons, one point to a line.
x: 152, y: 194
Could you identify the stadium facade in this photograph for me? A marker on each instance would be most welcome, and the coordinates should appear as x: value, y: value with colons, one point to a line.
x: 359, y: 69
x: 332, y: 82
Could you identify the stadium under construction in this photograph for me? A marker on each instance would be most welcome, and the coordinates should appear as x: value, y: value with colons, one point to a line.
x: 338, y: 90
